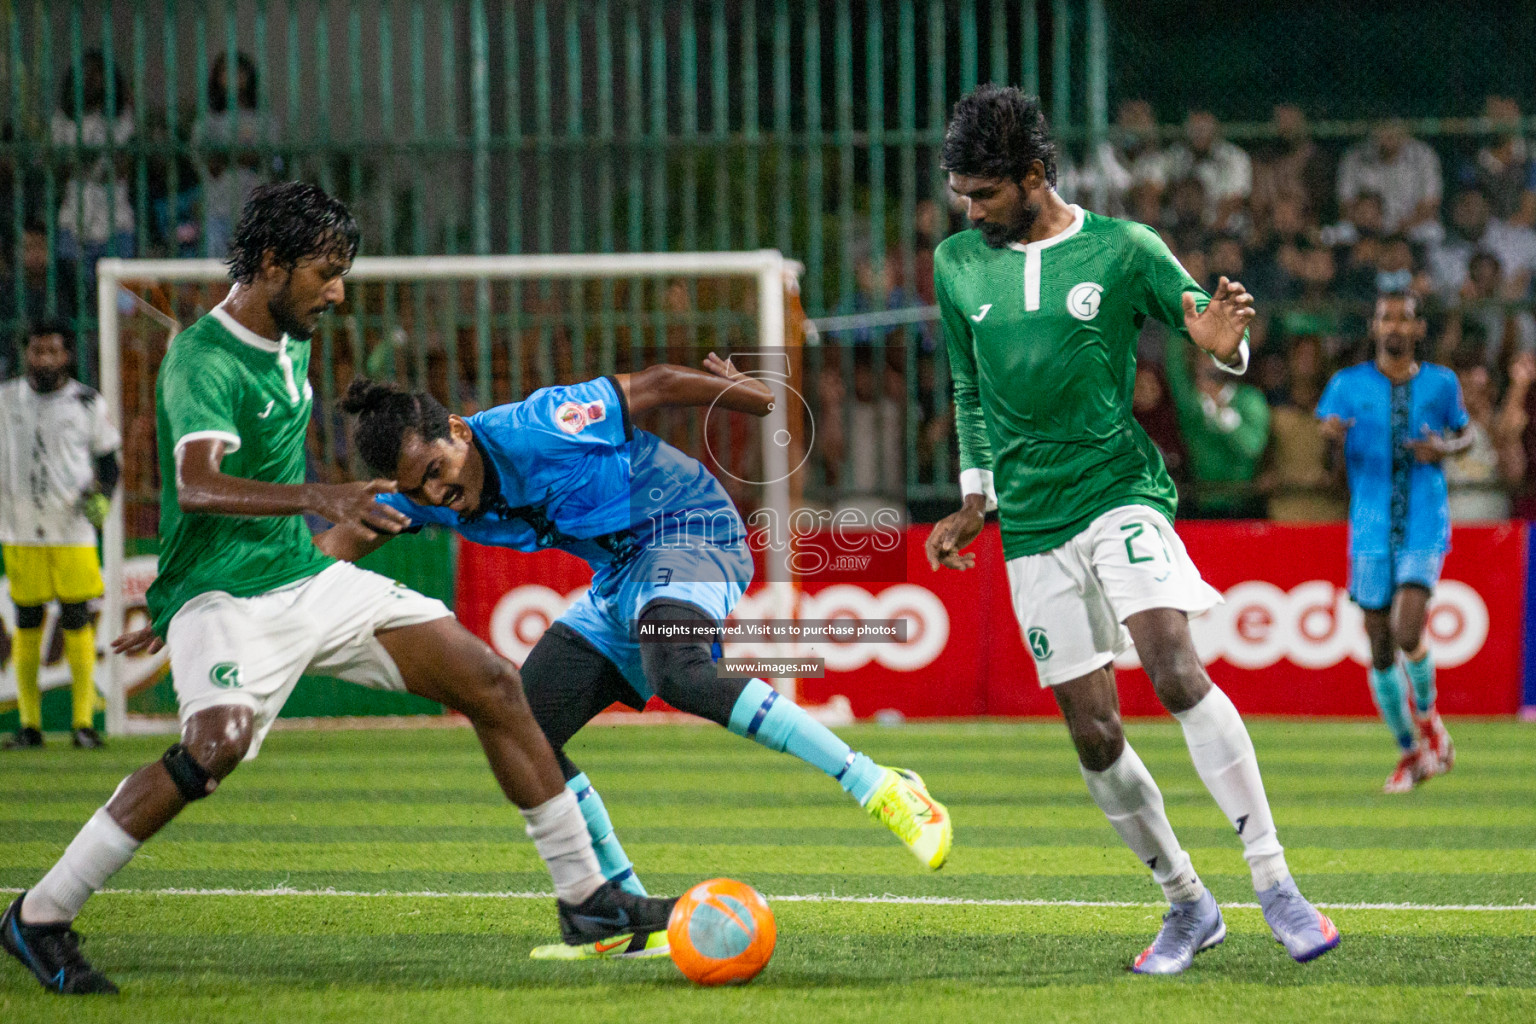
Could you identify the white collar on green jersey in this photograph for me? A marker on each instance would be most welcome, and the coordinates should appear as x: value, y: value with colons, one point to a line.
x: 244, y: 333
x: 1061, y: 236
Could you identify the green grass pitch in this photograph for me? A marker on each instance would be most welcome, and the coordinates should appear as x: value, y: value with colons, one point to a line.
x: 1042, y: 910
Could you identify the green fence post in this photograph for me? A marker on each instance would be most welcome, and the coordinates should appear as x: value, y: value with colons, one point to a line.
x: 419, y: 183
x: 512, y: 81
x: 607, y: 358
x: 968, y: 46
x: 751, y: 128
x: 1061, y: 67
x: 815, y: 156
x: 480, y: 107
x: 1030, y: 48
x: 1098, y: 93
x: 999, y: 42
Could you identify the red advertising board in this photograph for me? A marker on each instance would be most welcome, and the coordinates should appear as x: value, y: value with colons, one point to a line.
x: 1286, y: 641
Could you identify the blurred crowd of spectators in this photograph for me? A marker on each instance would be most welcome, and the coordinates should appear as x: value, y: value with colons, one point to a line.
x: 78, y: 203
x: 1316, y: 231
x: 1315, y: 227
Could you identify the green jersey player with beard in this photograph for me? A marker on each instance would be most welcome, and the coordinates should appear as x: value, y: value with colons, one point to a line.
x: 1041, y: 305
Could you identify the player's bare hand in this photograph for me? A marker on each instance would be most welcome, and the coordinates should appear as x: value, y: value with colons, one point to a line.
x: 1430, y: 448
x: 1333, y: 428
x: 139, y: 641
x: 951, y: 535
x: 1219, y: 328
x: 346, y: 504
x: 761, y: 393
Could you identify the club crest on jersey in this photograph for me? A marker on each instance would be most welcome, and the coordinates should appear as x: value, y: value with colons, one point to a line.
x: 1083, y: 300
x: 571, y: 418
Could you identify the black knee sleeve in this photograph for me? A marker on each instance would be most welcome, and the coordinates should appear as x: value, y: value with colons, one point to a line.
x: 190, y: 777
x: 567, y: 681
x: 683, y: 674
x: 30, y: 616
x: 74, y: 616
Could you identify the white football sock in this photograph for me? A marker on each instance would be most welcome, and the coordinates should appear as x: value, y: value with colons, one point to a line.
x: 1223, y: 755
x: 1131, y: 801
x: 559, y: 832
x: 93, y: 856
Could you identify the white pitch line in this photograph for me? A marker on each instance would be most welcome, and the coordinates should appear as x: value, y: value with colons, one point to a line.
x: 930, y: 901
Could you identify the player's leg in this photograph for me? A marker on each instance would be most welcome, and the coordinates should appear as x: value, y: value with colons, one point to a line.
x: 683, y: 674
x: 234, y: 661
x: 1154, y: 588
x: 1410, y: 610
x: 27, y: 655
x: 1124, y: 790
x: 31, y: 590
x: 37, y: 928
x: 1121, y: 785
x: 80, y: 653
x: 1215, y: 734
x: 1390, y: 695
x: 77, y: 580
x: 567, y: 682
x: 1070, y: 629
x: 444, y: 662
x: 1223, y: 756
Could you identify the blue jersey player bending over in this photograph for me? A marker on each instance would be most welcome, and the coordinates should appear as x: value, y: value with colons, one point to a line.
x: 1397, y: 419
x: 567, y: 468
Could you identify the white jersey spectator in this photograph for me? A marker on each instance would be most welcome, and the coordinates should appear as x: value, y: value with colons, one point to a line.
x: 1101, y: 182
x: 1403, y: 171
x: 1222, y: 168
x: 1503, y: 168
x: 1474, y: 229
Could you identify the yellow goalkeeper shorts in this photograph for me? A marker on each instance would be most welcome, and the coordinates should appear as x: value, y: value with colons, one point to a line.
x: 38, y: 575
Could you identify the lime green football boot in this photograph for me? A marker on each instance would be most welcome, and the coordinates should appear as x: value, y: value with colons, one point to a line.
x: 901, y: 803
x: 621, y: 947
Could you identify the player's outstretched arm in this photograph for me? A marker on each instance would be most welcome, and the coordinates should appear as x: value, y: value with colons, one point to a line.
x: 202, y: 488
x: 666, y: 384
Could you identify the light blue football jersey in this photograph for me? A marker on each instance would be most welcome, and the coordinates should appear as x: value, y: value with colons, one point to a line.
x: 1396, y: 503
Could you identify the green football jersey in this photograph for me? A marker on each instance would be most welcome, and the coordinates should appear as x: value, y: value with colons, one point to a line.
x: 219, y: 380
x: 1042, y: 350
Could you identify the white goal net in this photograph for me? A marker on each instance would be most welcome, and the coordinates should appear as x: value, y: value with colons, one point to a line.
x: 476, y: 332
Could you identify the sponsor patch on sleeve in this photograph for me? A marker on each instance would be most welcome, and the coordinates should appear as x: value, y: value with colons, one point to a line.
x: 595, y: 412
x: 571, y: 418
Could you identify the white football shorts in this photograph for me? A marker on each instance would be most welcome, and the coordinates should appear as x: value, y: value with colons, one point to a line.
x: 251, y: 651
x: 1072, y: 601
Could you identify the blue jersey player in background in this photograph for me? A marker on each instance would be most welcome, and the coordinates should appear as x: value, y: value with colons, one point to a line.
x: 567, y: 468
x: 1398, y: 419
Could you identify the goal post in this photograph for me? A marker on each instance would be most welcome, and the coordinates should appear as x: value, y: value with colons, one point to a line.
x: 775, y: 279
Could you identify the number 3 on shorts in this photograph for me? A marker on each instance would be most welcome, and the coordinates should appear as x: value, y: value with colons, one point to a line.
x: 1134, y: 530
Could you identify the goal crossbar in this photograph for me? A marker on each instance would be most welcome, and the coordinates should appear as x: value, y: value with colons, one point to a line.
x: 769, y: 267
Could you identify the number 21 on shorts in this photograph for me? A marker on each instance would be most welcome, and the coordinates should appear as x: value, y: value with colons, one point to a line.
x: 1134, y: 531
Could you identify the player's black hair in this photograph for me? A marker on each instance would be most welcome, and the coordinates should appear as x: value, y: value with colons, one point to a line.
x: 44, y: 326
x: 385, y: 414
x: 294, y: 221
x: 997, y: 132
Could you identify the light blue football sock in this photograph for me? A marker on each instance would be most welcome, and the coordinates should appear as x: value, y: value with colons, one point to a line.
x: 1421, y: 674
x: 611, y: 857
x: 1392, y: 700
x: 775, y: 721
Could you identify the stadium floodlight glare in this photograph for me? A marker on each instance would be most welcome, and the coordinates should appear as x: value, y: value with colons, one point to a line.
x: 772, y: 272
